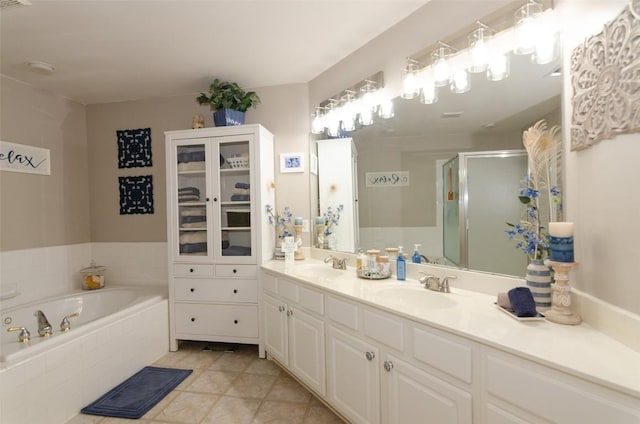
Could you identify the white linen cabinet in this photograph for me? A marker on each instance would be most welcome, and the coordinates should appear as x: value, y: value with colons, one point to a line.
x: 219, y: 181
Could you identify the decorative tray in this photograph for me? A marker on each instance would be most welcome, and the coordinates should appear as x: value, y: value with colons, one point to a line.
x: 539, y: 317
x: 372, y: 275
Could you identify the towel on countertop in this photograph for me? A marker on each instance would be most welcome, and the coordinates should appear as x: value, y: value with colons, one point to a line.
x: 522, y: 302
x: 243, y: 185
x: 240, y: 198
x: 503, y: 301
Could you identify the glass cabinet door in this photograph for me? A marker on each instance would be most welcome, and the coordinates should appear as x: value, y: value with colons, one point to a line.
x: 235, y: 238
x: 191, y: 198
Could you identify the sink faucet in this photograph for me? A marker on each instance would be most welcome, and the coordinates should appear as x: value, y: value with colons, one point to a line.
x: 431, y: 282
x: 337, y: 263
x: 44, y: 328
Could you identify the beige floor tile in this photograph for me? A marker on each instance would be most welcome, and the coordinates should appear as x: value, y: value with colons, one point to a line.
x: 200, y: 359
x: 216, y: 382
x: 252, y: 386
x: 112, y: 420
x: 232, y: 362
x: 289, y: 390
x: 172, y: 359
x: 274, y: 412
x: 321, y: 415
x: 153, y: 412
x: 232, y: 410
x: 85, y: 419
x: 187, y: 408
x: 263, y: 366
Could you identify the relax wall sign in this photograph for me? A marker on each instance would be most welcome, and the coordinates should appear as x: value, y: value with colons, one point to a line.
x: 387, y: 179
x: 27, y: 159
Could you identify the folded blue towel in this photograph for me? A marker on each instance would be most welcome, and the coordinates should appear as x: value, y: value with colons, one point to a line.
x: 522, y: 302
x: 242, y: 185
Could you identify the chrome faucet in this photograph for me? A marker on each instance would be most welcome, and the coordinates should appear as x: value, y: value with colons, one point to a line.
x: 44, y: 328
x: 336, y: 263
x: 431, y: 282
x: 24, y: 335
x: 65, y: 325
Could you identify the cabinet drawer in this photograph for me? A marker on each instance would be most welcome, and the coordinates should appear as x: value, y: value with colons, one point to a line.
x: 216, y: 320
x: 193, y: 270
x: 384, y: 328
x: 311, y: 300
x: 215, y: 290
x: 447, y: 355
x: 555, y: 396
x: 238, y: 271
x: 342, y: 312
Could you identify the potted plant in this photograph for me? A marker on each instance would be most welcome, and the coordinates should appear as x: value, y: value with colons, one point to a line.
x: 229, y: 102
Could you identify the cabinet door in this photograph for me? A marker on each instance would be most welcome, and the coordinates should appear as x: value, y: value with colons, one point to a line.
x: 233, y: 195
x: 306, y: 349
x: 188, y: 177
x: 354, y: 377
x: 275, y: 328
x: 415, y: 396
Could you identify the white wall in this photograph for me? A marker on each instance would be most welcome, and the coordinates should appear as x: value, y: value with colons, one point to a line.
x: 601, y: 182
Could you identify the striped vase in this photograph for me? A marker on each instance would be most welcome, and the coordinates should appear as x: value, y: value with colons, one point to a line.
x: 539, y: 282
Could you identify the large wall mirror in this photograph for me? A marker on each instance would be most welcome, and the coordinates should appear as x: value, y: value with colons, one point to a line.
x: 444, y: 176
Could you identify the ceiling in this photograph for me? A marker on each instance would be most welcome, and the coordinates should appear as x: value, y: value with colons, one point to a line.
x: 109, y: 51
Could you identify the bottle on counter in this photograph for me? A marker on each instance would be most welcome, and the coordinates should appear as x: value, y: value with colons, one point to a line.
x: 401, y: 266
x: 416, y: 258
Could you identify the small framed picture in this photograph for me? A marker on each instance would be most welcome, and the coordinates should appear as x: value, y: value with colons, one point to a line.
x: 313, y: 164
x: 291, y: 162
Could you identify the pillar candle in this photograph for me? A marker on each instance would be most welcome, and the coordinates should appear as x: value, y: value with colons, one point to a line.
x: 319, y: 220
x: 297, y: 221
x: 561, y: 229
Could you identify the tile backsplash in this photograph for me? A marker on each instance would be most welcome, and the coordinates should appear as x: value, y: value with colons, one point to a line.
x: 49, y: 271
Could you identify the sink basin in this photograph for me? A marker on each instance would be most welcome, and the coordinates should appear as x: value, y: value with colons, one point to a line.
x: 414, y: 297
x: 318, y: 271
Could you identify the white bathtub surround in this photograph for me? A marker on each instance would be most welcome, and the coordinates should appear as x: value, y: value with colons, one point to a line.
x: 138, y: 264
x: 50, y: 271
x: 42, y: 272
x: 52, y: 385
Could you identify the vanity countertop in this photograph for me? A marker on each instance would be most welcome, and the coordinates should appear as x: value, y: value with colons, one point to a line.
x: 578, y: 350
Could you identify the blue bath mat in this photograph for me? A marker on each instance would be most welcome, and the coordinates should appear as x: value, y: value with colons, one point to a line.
x: 138, y: 394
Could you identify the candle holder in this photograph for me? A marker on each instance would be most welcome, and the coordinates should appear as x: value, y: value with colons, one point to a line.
x: 560, y: 311
x: 298, y: 254
x: 320, y: 236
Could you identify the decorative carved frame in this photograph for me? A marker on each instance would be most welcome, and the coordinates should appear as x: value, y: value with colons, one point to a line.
x: 605, y: 77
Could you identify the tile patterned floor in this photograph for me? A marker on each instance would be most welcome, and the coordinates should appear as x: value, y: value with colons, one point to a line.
x: 229, y: 388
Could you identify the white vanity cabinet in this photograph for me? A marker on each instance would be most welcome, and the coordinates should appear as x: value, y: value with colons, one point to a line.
x: 294, y: 331
x: 219, y: 181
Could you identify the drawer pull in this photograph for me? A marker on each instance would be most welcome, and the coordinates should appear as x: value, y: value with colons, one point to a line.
x: 289, y: 312
x: 235, y: 290
x: 370, y: 356
x: 207, y: 199
x: 281, y: 308
x: 235, y: 321
x: 388, y: 365
x: 192, y: 289
x: 215, y: 199
x: 191, y: 270
x: 235, y: 271
x: 193, y: 319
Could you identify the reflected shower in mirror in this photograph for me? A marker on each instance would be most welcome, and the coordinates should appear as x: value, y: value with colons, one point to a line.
x: 446, y: 175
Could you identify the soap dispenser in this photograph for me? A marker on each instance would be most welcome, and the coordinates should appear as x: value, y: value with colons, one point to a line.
x: 401, y: 266
x: 416, y: 258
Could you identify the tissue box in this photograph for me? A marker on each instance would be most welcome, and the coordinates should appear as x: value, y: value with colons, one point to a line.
x: 239, y: 218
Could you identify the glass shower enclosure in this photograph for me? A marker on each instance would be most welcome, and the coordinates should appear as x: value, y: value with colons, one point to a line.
x: 480, y: 192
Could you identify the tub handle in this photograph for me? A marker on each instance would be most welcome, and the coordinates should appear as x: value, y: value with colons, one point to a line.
x: 24, y: 335
x: 65, y: 325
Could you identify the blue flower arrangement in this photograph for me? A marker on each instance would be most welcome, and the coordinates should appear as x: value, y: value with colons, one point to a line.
x: 331, y: 218
x: 280, y: 221
x: 544, y: 149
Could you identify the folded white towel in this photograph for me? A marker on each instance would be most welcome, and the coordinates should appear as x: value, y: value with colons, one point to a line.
x: 193, y: 237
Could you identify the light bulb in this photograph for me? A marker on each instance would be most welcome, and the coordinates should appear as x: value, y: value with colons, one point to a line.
x: 527, y: 27
x: 410, y: 87
x: 460, y: 82
x: 441, y: 72
x: 498, y: 67
x: 545, y: 48
x: 429, y: 92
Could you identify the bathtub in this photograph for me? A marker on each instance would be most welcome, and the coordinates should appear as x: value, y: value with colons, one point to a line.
x: 118, y: 330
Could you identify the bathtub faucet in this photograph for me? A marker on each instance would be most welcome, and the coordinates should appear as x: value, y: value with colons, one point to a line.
x: 44, y: 328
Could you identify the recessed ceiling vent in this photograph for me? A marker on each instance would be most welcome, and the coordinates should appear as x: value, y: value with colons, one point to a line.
x: 447, y: 115
x: 6, y: 4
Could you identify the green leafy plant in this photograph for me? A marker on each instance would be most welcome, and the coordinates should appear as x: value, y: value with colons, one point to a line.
x: 228, y: 95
